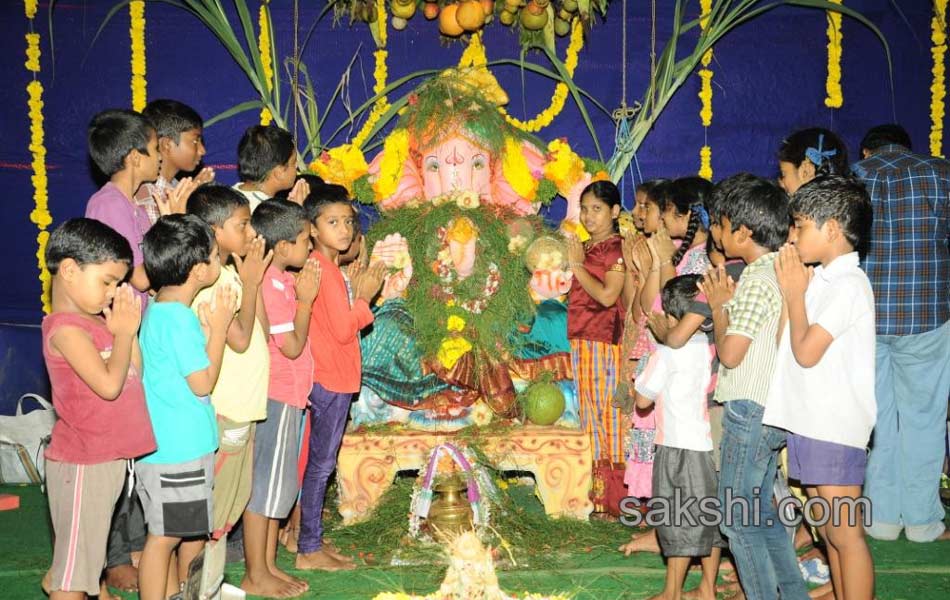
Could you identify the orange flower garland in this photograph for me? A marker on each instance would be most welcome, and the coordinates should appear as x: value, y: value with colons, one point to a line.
x: 263, y: 45
x: 834, y: 98
x: 137, y: 35
x: 938, y: 89
x: 705, y: 96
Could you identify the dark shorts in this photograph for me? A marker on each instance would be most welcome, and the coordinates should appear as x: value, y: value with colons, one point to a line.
x: 814, y: 462
x: 690, y: 473
x: 176, y: 498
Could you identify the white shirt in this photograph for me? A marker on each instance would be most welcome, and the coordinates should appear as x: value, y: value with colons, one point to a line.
x: 254, y: 197
x: 678, y: 381
x: 832, y: 401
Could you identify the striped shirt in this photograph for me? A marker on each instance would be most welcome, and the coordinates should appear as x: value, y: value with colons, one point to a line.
x: 755, y: 312
x: 908, y: 261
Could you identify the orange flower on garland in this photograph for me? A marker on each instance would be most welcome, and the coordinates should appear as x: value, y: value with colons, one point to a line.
x: 834, y: 97
x: 938, y: 88
x: 263, y: 45
x: 705, y: 95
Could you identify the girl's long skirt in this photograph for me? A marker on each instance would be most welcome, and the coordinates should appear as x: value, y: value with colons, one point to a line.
x: 596, y: 371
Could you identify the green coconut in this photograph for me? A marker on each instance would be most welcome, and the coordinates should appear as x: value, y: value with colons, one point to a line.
x: 543, y: 402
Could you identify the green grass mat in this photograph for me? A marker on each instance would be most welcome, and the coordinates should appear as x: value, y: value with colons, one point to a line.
x: 586, y: 565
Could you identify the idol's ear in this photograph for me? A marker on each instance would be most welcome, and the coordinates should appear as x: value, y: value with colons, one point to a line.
x: 501, y: 191
x: 408, y: 186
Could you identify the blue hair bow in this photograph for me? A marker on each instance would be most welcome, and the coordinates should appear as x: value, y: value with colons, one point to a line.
x: 816, y: 155
x: 703, y: 215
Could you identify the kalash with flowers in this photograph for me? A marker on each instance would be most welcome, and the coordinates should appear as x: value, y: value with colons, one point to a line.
x: 466, y: 319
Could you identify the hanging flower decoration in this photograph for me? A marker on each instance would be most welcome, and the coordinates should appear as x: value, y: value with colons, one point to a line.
x: 395, y: 154
x: 834, y: 98
x: 564, y: 167
x: 705, y: 95
x: 40, y: 214
x: 380, y: 76
x: 938, y: 87
x: 515, y: 167
x: 474, y: 56
x: 341, y: 165
x: 137, y: 35
x: 263, y: 45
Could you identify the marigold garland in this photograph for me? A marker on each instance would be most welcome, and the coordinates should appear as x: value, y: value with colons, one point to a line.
x: 705, y: 95
x: 515, y: 167
x: 395, y: 154
x: 834, y: 98
x: 40, y: 214
x: 263, y: 45
x: 938, y: 90
x: 559, y: 98
x: 137, y: 35
x: 380, y: 75
x: 341, y: 165
x: 564, y: 167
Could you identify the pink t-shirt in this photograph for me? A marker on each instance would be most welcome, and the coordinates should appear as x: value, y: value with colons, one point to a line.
x: 91, y: 429
x: 290, y: 379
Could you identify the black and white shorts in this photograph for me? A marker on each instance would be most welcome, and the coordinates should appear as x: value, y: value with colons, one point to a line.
x: 176, y: 497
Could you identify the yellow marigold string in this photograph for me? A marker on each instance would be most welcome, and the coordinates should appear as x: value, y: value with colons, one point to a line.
x: 40, y: 214
x: 561, y: 91
x: 834, y: 98
x: 263, y: 45
x: 564, y: 167
x: 515, y: 168
x: 395, y: 154
x: 938, y: 89
x: 705, y: 94
x: 137, y: 35
x: 380, y: 76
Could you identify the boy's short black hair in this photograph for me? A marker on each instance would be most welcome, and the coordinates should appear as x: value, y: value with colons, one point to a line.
x: 88, y: 242
x: 214, y: 203
x: 678, y: 295
x: 171, y: 118
x: 885, y: 135
x: 261, y: 149
x: 279, y: 221
x: 322, y: 196
x: 172, y: 248
x: 113, y: 134
x: 843, y: 199
x: 759, y: 204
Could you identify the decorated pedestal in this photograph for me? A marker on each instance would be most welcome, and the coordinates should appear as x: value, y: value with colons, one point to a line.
x: 559, y: 459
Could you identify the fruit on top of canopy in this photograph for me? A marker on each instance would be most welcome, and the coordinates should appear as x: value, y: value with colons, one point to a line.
x: 470, y: 15
x: 430, y: 10
x: 543, y: 402
x: 534, y: 17
x: 448, y: 24
x: 404, y: 9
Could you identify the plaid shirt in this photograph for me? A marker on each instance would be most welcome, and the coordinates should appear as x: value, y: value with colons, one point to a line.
x: 908, y: 261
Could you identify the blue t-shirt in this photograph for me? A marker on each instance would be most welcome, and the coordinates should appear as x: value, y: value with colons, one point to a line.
x: 173, y: 347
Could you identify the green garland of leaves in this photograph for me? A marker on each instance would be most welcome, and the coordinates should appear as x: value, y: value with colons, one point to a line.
x: 511, y: 304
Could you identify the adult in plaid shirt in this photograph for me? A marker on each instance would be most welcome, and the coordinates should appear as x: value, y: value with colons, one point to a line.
x: 908, y: 264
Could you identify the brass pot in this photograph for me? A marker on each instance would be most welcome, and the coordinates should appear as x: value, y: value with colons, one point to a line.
x: 450, y: 513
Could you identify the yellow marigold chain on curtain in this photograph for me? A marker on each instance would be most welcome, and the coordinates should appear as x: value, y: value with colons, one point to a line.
x: 705, y: 95
x: 380, y: 76
x: 137, y: 35
x: 561, y: 91
x: 263, y: 45
x: 938, y: 86
x: 40, y: 214
x: 834, y: 97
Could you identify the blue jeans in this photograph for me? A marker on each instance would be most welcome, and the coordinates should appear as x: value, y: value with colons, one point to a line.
x: 328, y: 412
x: 763, y: 551
x: 907, y: 447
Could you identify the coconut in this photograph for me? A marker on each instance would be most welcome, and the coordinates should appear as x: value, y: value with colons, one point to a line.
x: 448, y: 24
x: 543, y: 403
x: 470, y: 15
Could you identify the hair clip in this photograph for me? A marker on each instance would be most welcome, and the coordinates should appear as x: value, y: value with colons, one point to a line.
x: 816, y: 155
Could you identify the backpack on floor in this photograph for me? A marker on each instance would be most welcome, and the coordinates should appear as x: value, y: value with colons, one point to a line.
x: 23, y: 438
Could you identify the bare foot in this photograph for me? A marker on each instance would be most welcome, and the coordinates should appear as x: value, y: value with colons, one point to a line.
x: 333, y: 551
x: 641, y: 542
x: 104, y: 593
x: 943, y: 537
x: 731, y: 590
x: 123, y: 577
x: 288, y: 539
x: 271, y: 587
x: 321, y: 560
x: 47, y: 582
x: 276, y: 572
x: 822, y: 592
x: 701, y: 593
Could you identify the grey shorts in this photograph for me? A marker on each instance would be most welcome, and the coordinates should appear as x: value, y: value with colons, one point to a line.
x: 176, y: 498
x: 693, y: 474
x: 276, y: 451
